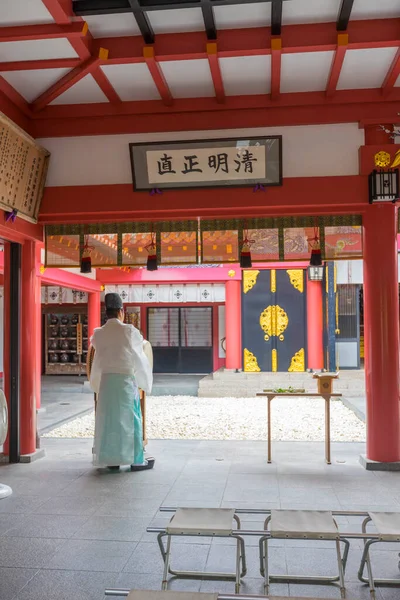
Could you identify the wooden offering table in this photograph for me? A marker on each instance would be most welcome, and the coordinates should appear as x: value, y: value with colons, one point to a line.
x: 325, y: 385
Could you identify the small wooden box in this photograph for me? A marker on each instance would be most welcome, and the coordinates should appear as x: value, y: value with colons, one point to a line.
x: 325, y: 382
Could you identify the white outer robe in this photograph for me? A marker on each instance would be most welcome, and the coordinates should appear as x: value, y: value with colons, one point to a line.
x: 119, y: 348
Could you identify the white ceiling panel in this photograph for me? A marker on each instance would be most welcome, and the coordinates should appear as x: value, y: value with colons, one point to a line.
x: 23, y: 12
x: 132, y: 82
x: 365, y: 69
x: 30, y: 84
x: 241, y: 16
x: 176, y: 20
x: 246, y: 75
x: 36, y: 50
x: 310, y: 11
x: 112, y: 25
x: 189, y: 78
x: 86, y: 91
x: 373, y: 9
x: 305, y: 72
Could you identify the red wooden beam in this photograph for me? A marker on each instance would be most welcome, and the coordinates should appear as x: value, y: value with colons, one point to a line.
x: 317, y: 37
x: 83, y: 44
x: 42, y: 32
x: 157, y: 75
x: 12, y: 112
x: 213, y: 61
x: 66, y: 279
x: 66, y: 82
x: 15, y: 97
x: 276, y: 59
x: 60, y: 10
x: 20, y: 230
x: 299, y: 195
x: 337, y: 63
x: 392, y: 74
x: 35, y: 65
x: 314, y: 100
x: 103, y: 81
x: 311, y: 108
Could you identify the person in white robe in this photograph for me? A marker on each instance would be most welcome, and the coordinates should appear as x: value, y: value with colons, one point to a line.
x: 120, y: 367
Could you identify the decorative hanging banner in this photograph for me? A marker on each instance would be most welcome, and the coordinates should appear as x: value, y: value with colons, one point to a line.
x: 209, y: 163
x: 23, y: 170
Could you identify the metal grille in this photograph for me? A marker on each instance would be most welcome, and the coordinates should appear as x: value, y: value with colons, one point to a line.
x: 348, y: 311
x: 196, y: 329
x: 164, y: 327
x: 62, y: 251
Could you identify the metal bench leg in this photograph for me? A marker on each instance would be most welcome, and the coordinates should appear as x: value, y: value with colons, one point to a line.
x: 345, y: 554
x: 263, y: 549
x: 341, y: 570
x: 164, y: 585
x: 366, y: 560
x: 244, y: 560
x: 238, y: 566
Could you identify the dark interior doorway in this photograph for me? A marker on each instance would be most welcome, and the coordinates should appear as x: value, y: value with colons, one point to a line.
x: 181, y: 339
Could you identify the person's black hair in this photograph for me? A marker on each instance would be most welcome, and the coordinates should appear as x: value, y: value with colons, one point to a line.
x: 112, y: 313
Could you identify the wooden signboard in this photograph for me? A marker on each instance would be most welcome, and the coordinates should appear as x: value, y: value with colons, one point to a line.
x: 23, y: 170
x: 229, y: 162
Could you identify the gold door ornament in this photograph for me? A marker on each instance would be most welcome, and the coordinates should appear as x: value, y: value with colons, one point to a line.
x: 249, y: 280
x: 296, y: 277
x: 273, y: 280
x: 273, y: 322
x: 297, y: 364
x: 250, y: 362
x: 274, y: 358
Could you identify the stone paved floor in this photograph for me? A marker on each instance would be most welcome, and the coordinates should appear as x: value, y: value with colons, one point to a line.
x: 68, y: 531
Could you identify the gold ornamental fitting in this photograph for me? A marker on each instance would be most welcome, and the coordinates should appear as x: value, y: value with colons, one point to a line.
x: 382, y: 159
x: 231, y: 273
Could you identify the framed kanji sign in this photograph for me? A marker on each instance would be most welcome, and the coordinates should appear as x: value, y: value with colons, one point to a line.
x: 229, y: 162
x: 23, y: 170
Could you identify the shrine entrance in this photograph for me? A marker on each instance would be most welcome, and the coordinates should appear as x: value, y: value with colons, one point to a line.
x: 181, y: 339
x: 274, y: 320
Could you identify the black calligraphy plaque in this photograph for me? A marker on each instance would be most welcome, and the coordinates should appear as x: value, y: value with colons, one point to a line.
x: 230, y: 162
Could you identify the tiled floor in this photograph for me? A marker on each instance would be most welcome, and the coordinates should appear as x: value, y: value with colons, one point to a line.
x: 68, y: 531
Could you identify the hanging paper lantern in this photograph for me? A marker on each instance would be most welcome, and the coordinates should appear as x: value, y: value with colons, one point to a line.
x: 151, y: 248
x: 86, y: 260
x: 316, y: 258
x: 245, y: 256
x: 245, y: 253
x: 315, y: 269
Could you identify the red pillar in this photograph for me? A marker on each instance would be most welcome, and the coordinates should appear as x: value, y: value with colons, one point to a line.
x: 94, y: 312
x: 315, y: 325
x: 233, y: 325
x: 29, y: 314
x: 215, y: 337
x: 38, y: 336
x: 38, y: 341
x: 381, y: 331
x: 6, y: 333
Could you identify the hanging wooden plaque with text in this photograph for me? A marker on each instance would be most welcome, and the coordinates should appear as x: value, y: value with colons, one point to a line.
x: 23, y: 170
x: 230, y: 162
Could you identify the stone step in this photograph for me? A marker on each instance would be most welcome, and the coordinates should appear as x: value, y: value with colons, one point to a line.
x: 229, y: 383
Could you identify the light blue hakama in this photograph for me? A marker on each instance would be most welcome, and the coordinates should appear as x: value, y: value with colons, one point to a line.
x: 118, y: 438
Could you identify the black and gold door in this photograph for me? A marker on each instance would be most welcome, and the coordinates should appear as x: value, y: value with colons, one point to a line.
x: 274, y: 320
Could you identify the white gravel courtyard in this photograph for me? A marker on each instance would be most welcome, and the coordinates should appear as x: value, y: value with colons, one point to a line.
x: 188, y: 417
